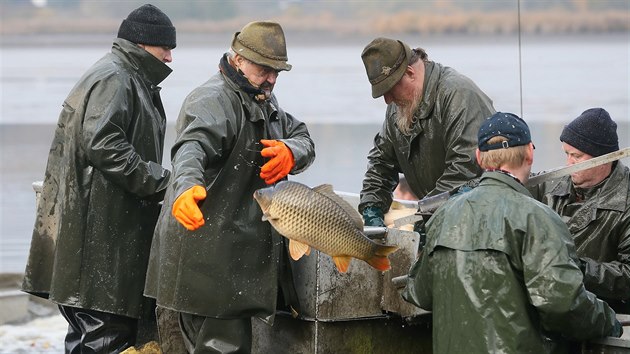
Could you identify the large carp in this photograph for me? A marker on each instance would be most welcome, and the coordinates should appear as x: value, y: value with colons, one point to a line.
x: 319, y: 218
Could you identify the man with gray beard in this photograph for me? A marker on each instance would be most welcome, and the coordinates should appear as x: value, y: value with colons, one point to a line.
x: 430, y: 129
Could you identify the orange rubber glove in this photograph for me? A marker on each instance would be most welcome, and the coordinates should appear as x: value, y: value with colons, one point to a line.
x: 186, y: 210
x: 281, y: 161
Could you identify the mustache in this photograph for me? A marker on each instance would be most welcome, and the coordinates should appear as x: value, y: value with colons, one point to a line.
x: 266, y: 86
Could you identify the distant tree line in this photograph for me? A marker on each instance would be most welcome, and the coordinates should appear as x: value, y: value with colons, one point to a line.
x: 350, y: 16
x: 227, y: 9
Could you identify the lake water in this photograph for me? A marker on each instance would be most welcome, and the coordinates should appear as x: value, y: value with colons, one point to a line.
x: 548, y: 81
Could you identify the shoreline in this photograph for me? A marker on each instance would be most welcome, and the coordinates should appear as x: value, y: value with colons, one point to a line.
x: 299, y: 38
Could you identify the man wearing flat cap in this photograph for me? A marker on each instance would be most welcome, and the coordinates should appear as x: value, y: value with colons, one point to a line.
x: 103, y: 184
x: 595, y: 204
x: 433, y: 113
x: 213, y: 259
x: 499, y: 267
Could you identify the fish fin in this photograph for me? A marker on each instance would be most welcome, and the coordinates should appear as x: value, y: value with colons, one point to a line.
x: 267, y: 217
x: 327, y: 190
x: 342, y: 263
x: 379, y: 262
x: 298, y: 249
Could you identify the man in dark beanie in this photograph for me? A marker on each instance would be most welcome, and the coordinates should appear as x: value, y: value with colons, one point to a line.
x: 213, y: 258
x: 102, y: 187
x: 150, y: 26
x: 595, y: 204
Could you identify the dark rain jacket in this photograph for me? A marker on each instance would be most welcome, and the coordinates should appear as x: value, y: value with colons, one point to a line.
x: 228, y: 268
x: 439, y: 154
x: 499, y: 268
x: 103, y: 183
x: 601, y: 231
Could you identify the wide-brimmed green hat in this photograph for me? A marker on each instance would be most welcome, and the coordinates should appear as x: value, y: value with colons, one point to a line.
x: 385, y: 63
x: 263, y: 43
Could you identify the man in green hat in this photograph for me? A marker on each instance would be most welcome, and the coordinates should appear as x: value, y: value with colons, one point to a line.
x: 213, y: 259
x: 429, y: 133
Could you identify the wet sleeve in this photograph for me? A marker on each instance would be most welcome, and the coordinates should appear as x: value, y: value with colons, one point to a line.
x: 464, y: 109
x: 108, y: 116
x: 206, y: 129
x: 298, y: 139
x: 419, y: 288
x: 554, y: 282
x: 611, y: 280
x: 381, y: 176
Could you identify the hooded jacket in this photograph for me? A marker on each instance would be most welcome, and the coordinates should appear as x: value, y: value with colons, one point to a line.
x: 601, y: 231
x: 228, y: 268
x: 439, y: 153
x: 102, y: 187
x: 499, y: 268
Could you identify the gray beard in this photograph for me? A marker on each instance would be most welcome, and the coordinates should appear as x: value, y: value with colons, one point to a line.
x: 404, y: 117
x: 406, y: 110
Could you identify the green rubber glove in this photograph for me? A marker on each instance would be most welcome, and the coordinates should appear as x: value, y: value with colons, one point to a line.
x: 373, y: 216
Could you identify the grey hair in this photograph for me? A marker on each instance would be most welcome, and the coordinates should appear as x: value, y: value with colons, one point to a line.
x: 418, y: 54
x: 231, y: 53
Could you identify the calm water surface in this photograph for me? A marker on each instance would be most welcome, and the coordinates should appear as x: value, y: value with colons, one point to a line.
x: 327, y: 88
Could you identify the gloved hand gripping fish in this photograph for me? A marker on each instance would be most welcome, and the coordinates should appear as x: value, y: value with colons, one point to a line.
x: 321, y: 219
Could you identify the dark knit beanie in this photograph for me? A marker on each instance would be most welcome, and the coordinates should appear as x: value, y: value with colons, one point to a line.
x: 593, y: 132
x: 148, y: 25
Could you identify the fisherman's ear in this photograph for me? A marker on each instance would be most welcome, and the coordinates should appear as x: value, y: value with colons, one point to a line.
x: 478, y: 157
x: 529, y: 158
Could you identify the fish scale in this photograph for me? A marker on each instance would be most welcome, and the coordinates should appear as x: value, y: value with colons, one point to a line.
x: 292, y: 199
x: 313, y: 218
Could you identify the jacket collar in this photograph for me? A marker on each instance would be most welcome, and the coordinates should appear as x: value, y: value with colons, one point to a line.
x: 236, y: 78
x: 246, y: 92
x: 494, y: 178
x: 432, y: 72
x: 613, y: 194
x: 144, y: 63
x: 431, y: 76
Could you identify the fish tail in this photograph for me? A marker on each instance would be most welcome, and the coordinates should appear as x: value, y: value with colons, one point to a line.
x: 379, y: 260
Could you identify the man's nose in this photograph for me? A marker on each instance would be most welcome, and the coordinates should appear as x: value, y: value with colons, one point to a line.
x: 272, y: 79
x: 168, y: 56
x: 273, y: 76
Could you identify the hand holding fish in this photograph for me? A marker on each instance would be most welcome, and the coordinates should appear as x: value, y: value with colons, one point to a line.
x: 186, y: 210
x: 281, y: 162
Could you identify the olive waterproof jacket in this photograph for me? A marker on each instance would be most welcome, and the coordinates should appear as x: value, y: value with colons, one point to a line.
x: 439, y: 154
x: 499, y: 268
x: 228, y: 268
x: 601, y: 231
x: 102, y: 187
